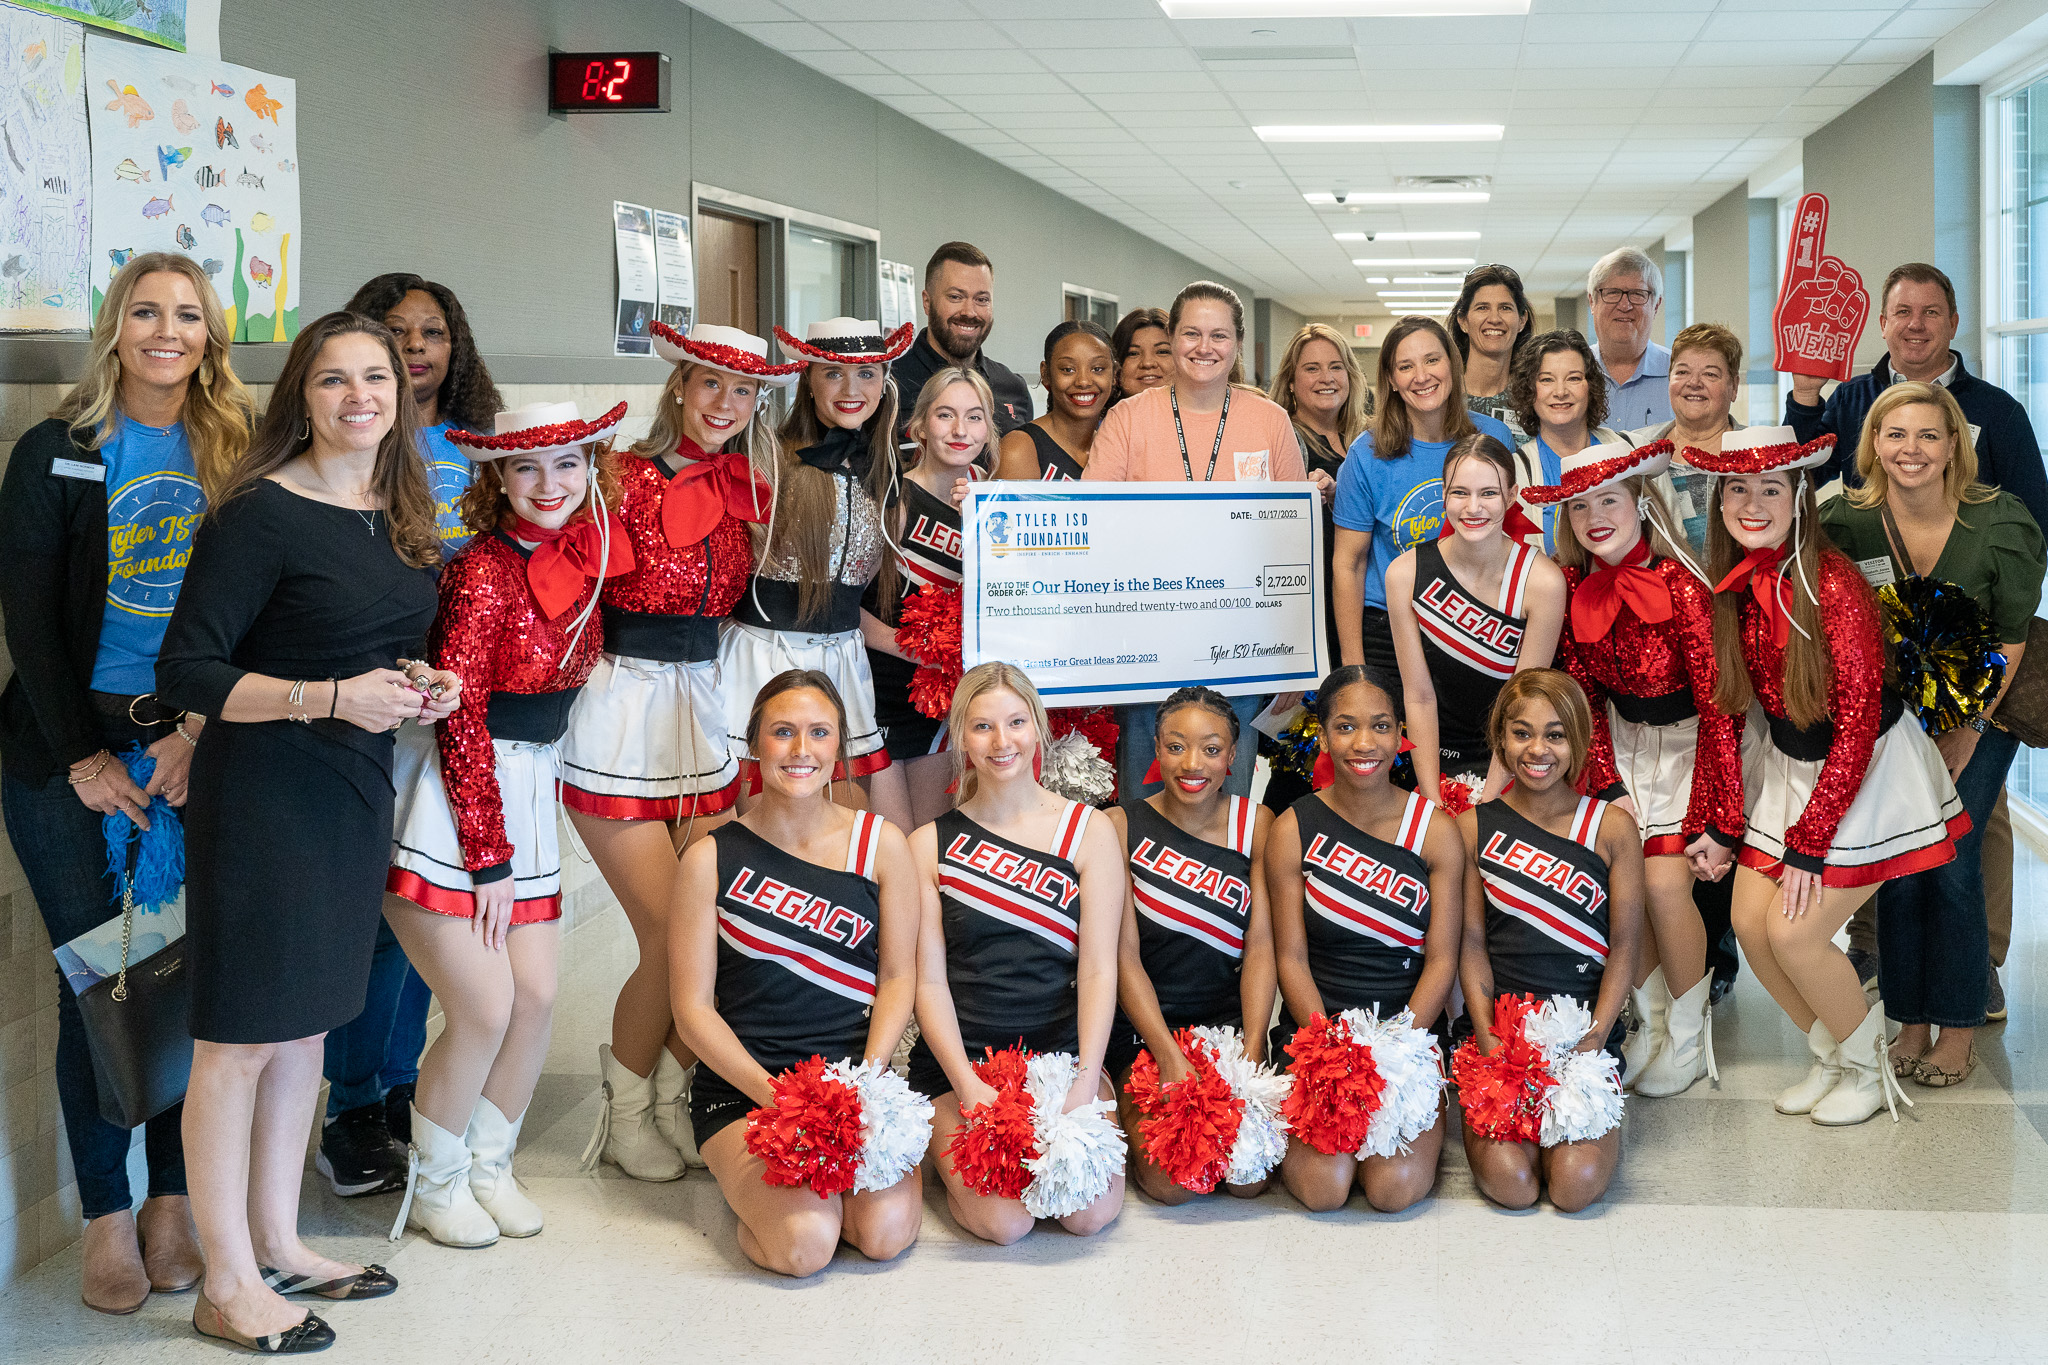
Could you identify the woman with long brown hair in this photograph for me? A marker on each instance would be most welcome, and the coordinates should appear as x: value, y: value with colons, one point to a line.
x: 98, y: 511
x: 1390, y: 493
x: 646, y: 765
x: 308, y: 596
x: 834, y: 470
x: 1491, y: 322
x: 1849, y: 792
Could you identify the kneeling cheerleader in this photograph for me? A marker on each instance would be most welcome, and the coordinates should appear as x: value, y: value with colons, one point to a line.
x: 474, y: 892
x: 1639, y: 638
x: 833, y: 474
x: 1196, y: 962
x: 1017, y: 958
x: 1553, y: 891
x: 1850, y: 790
x: 1366, y: 882
x: 793, y: 953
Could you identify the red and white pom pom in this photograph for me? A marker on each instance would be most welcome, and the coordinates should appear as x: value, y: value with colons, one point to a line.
x: 1460, y: 791
x: 1079, y: 1153
x: 1219, y: 1122
x: 929, y: 631
x: 846, y: 1127
x: 1363, y: 1086
x: 989, y: 1147
x: 1535, y: 1087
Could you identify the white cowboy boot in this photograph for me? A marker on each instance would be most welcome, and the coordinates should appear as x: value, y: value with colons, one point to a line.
x: 1826, y: 1071
x: 1653, y: 1008
x: 1867, y: 1083
x: 437, y: 1195
x: 492, y: 1140
x: 672, y: 1082
x: 625, y: 1134
x: 1688, y: 1051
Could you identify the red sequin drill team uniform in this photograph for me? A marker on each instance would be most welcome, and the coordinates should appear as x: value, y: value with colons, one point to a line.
x: 1667, y: 745
x: 486, y: 810
x: 647, y: 738
x: 1862, y: 797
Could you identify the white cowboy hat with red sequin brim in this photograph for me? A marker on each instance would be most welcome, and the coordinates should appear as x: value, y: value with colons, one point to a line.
x: 723, y: 348
x: 1761, y: 450
x: 1598, y: 467
x: 537, y: 428
x: 847, y: 341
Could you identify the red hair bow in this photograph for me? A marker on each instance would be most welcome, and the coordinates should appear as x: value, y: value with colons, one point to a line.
x: 705, y: 488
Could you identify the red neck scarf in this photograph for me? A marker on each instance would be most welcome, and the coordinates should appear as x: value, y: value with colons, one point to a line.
x: 705, y: 488
x: 567, y: 557
x: 1516, y: 525
x: 1632, y: 584
x: 1763, y: 571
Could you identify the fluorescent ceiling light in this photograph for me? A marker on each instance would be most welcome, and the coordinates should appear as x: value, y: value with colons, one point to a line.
x: 1379, y: 132
x: 1403, y: 262
x: 1377, y: 279
x: 1400, y: 197
x: 1427, y: 236
x: 1337, y: 9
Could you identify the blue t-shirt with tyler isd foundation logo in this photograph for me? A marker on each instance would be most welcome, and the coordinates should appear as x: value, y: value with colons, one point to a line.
x: 153, y: 508
x: 449, y: 471
x: 1398, y: 502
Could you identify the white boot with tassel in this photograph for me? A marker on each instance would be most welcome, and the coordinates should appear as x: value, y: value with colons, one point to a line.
x: 492, y: 1139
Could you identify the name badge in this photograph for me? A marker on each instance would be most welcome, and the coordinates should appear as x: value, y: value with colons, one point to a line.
x: 1877, y: 571
x: 79, y: 469
x: 1976, y: 433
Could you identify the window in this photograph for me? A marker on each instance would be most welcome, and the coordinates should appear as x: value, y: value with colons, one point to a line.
x: 2017, y: 340
x: 1090, y: 305
x: 821, y: 271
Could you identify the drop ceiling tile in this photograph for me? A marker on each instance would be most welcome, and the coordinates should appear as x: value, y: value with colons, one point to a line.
x: 995, y: 83
x: 843, y: 63
x: 1144, y: 80
x: 1923, y: 22
x: 938, y: 35
x: 1026, y: 120
x: 918, y: 62
x: 1194, y: 102
x: 740, y: 11
x: 906, y: 11
x: 1792, y: 22
x: 1113, y: 34
x: 1546, y: 28
x: 1771, y: 56
x: 892, y: 86
x: 1896, y: 51
x: 921, y: 105
x: 1237, y: 33
x: 1288, y: 80
x: 792, y: 37
x: 950, y: 123
x: 1150, y: 59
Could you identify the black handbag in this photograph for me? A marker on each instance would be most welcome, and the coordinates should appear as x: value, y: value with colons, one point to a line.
x: 137, y: 1028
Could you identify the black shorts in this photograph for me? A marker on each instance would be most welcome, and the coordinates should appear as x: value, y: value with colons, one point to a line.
x: 911, y: 735
x: 928, y: 1078
x: 714, y: 1103
x: 1125, y: 1042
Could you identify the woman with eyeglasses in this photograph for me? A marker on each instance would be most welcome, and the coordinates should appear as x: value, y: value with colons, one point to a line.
x: 1490, y: 323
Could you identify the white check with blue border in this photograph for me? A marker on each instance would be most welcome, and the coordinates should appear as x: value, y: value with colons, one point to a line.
x: 1115, y: 593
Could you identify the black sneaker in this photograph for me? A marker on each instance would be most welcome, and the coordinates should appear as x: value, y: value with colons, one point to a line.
x: 1865, y: 963
x: 398, y: 1112
x: 1994, y: 1004
x: 358, y: 1155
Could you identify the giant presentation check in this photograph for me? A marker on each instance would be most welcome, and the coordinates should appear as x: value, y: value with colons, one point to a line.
x: 1121, y: 592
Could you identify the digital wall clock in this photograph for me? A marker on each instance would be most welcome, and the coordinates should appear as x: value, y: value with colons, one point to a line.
x: 608, y: 82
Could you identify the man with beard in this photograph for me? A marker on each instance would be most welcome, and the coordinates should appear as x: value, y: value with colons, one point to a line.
x: 959, y: 309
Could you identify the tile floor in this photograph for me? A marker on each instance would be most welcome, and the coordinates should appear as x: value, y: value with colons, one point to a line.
x: 1731, y: 1234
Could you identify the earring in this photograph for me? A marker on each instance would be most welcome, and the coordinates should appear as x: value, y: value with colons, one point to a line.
x: 306, y: 429
x: 679, y: 400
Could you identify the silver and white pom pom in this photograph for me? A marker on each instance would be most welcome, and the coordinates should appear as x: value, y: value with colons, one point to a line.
x: 1586, y: 1101
x: 1073, y: 769
x: 1407, y: 1062
x: 1261, y: 1133
x: 895, y: 1123
x: 1079, y: 1153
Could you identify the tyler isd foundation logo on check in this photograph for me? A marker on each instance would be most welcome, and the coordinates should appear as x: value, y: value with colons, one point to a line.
x: 1035, y: 533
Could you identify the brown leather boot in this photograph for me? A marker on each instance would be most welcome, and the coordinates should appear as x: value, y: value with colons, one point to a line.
x: 170, y: 1244
x: 115, y: 1281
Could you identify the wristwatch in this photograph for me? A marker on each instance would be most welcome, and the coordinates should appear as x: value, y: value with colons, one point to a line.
x: 1979, y: 722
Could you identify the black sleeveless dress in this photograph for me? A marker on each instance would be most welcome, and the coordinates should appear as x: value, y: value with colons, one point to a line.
x: 798, y: 948
x: 1012, y: 920
x: 1194, y: 902
x: 1365, y: 911
x: 1546, y: 906
x: 1053, y: 460
x: 1470, y: 648
x: 931, y: 557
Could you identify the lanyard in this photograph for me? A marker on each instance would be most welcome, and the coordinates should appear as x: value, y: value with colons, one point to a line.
x: 1222, y: 417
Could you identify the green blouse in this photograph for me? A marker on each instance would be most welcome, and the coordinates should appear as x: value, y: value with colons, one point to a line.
x: 1994, y: 553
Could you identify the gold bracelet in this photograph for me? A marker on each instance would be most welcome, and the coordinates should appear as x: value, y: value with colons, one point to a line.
x: 97, y: 768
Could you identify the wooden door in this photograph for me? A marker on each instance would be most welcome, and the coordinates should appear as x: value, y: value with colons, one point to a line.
x: 728, y: 270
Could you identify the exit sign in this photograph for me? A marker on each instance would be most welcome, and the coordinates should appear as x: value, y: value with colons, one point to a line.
x: 1363, y: 331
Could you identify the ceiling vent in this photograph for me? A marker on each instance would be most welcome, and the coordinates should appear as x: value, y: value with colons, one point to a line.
x: 1444, y: 182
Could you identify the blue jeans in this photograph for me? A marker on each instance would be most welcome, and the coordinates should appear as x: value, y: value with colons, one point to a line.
x: 1933, y: 948
x: 63, y: 851
x: 1140, y: 726
x: 380, y: 1047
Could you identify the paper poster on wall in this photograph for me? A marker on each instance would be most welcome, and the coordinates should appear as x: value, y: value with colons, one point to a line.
x: 45, y: 175
x: 201, y: 157
x: 154, y: 21
x: 639, y: 287
x: 906, y: 291
x: 675, y: 280
x: 891, y: 301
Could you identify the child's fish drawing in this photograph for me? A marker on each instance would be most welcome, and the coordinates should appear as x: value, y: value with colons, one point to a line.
x: 181, y: 85
x: 211, y: 265
x: 119, y: 256
x: 167, y: 157
x: 182, y: 118
x: 224, y: 134
x: 249, y: 179
x: 260, y: 102
x: 206, y: 177
x: 262, y: 222
x: 224, y: 91
x: 156, y: 208
x: 259, y: 270
x: 215, y: 216
x: 129, y: 171
x: 185, y: 238
x: 132, y: 105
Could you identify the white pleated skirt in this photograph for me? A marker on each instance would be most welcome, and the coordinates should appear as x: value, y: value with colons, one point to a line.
x: 1656, y: 764
x: 427, y: 865
x: 749, y: 656
x: 647, y: 741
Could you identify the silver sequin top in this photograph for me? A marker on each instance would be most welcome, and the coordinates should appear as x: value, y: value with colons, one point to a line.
x: 856, y: 539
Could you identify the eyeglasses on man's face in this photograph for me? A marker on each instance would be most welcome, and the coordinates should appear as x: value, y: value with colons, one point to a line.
x: 1616, y: 298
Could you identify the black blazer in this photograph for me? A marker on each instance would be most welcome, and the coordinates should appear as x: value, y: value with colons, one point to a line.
x: 54, y: 528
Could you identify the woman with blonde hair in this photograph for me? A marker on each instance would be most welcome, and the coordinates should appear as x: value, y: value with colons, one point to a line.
x: 646, y: 763
x: 310, y: 591
x: 1921, y: 521
x: 98, y: 513
x: 1023, y: 902
x: 1848, y: 791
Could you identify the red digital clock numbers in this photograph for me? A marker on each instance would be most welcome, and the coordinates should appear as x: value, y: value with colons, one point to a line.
x: 590, y: 82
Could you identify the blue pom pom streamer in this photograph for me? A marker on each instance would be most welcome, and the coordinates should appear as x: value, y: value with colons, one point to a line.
x: 160, y: 862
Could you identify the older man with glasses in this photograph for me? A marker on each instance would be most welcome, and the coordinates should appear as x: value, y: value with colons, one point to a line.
x: 1624, y: 291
